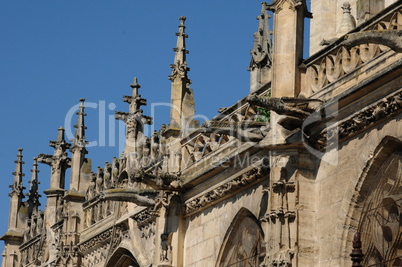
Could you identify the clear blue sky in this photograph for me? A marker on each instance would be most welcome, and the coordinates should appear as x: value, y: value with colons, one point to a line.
x: 55, y: 52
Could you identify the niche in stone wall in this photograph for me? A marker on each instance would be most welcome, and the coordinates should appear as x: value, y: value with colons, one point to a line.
x: 242, y: 245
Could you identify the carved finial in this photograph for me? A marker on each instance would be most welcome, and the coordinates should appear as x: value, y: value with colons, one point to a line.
x: 357, y: 253
x: 346, y: 7
x: 135, y: 101
x: 179, y: 68
x: 348, y: 22
x: 33, y: 193
x: 135, y: 87
x: 261, y: 54
x: 182, y: 20
x: 16, y: 187
x: 60, y: 134
x: 79, y: 138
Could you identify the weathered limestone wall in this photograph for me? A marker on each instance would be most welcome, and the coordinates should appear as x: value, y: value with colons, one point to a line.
x: 327, y: 16
x: 335, y: 188
x: 205, y: 231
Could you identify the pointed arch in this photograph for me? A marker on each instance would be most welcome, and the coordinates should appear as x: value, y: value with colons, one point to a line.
x: 375, y: 208
x: 242, y: 244
x: 123, y: 179
x: 122, y: 258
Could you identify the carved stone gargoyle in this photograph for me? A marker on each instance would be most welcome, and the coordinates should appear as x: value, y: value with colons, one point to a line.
x: 389, y: 38
x: 162, y: 181
x: 296, y: 110
x: 141, y: 197
x: 249, y: 131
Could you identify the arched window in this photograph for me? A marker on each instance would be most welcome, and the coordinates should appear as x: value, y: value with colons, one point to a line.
x: 242, y: 245
x: 380, y: 222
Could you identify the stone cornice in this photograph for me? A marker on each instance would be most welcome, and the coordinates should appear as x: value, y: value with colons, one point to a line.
x: 220, y: 192
x: 144, y: 217
x: 113, y: 235
x: 12, y: 235
x: 368, y: 117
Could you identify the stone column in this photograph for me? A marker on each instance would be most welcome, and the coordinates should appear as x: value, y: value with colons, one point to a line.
x: 168, y: 233
x: 288, y: 45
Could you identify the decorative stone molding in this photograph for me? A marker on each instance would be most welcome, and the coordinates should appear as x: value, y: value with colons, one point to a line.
x: 346, y: 55
x: 277, y: 6
x: 146, y: 222
x: 144, y: 217
x: 112, y: 235
x: 389, y: 38
x: 223, y: 190
x: 95, y: 241
x: 361, y: 121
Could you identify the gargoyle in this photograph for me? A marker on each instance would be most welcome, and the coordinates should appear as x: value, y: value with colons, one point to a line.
x: 162, y: 181
x: 296, y: 110
x: 141, y: 197
x: 248, y: 131
x: 390, y: 38
x: 290, y: 106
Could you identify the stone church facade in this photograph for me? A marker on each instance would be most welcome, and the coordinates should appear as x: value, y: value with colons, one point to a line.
x: 306, y: 170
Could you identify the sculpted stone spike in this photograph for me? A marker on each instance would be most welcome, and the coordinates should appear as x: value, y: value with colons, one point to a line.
x: 79, y: 150
x: 182, y: 96
x: 33, y: 194
x: 261, y: 54
x: 134, y: 119
x: 16, y: 187
x: 79, y: 137
x: 99, y: 180
x: 179, y: 68
x: 107, y: 176
x: 348, y: 22
x: 135, y: 87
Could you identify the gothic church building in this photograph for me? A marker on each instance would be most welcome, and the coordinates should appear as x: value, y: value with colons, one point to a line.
x: 305, y: 170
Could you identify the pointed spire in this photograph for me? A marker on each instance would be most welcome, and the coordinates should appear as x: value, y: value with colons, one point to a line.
x: 79, y: 138
x: 16, y: 187
x: 179, y: 67
x: 182, y: 98
x: 135, y: 101
x: 134, y: 119
x: 78, y: 149
x: 60, y: 134
x: 33, y: 194
x: 348, y: 22
x: 261, y: 54
x: 135, y: 87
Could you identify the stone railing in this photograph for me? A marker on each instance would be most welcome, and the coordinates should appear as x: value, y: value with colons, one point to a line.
x: 30, y: 251
x: 32, y: 236
x: 97, y: 210
x: 340, y: 58
x: 200, y: 144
